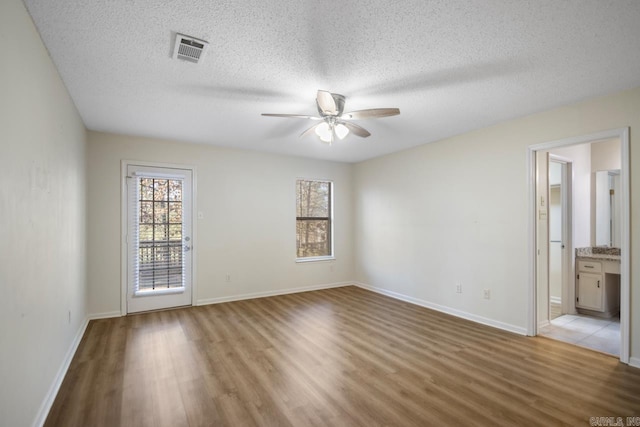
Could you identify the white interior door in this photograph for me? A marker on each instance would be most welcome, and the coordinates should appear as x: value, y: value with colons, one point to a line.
x: 556, y: 243
x: 159, y: 224
x: 560, y: 252
x: 542, y: 238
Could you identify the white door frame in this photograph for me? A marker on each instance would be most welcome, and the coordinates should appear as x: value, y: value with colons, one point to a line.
x: 625, y: 243
x: 124, y: 164
x: 568, y: 291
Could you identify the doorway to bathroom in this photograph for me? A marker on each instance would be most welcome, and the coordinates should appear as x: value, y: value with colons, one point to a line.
x: 579, y: 222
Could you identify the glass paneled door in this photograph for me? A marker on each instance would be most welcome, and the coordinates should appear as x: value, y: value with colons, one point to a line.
x: 158, y: 238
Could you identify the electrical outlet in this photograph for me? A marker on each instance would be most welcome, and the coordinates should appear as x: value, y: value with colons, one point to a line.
x: 458, y: 287
x: 487, y: 294
x: 227, y: 277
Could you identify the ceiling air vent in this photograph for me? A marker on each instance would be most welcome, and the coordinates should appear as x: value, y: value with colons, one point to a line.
x: 189, y: 48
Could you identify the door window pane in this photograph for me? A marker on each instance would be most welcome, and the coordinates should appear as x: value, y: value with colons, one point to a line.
x: 160, y: 249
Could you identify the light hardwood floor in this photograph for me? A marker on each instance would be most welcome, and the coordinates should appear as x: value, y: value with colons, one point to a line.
x: 336, y: 357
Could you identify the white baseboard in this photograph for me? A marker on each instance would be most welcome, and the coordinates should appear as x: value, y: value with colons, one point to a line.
x: 45, y: 407
x: 443, y: 309
x: 555, y: 300
x: 105, y: 315
x: 634, y: 361
x: 252, y: 295
x: 543, y: 323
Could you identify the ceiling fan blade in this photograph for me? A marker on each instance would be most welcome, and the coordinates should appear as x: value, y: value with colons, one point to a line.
x: 326, y: 103
x: 294, y: 116
x: 309, y: 131
x: 356, y: 130
x: 371, y: 113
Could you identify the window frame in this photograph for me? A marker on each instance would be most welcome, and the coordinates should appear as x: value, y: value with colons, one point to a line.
x: 330, y: 220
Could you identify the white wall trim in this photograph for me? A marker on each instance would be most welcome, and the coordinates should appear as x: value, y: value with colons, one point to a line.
x: 50, y: 397
x: 532, y: 306
x: 555, y: 300
x: 444, y: 309
x: 625, y: 249
x: 625, y: 244
x: 105, y: 315
x: 634, y: 361
x: 277, y: 292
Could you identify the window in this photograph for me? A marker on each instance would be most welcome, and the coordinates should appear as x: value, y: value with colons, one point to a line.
x: 159, y: 234
x: 313, y: 219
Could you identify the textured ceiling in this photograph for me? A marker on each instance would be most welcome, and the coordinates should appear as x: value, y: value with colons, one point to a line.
x: 451, y: 66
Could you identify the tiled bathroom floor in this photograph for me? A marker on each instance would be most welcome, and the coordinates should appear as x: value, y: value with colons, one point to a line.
x: 585, y: 331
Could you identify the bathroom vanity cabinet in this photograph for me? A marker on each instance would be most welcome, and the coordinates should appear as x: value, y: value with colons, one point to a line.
x: 598, y: 287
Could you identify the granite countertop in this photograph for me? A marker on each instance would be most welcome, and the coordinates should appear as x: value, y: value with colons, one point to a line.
x: 599, y: 252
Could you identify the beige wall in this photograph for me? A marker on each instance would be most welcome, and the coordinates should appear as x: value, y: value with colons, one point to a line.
x: 605, y: 155
x: 586, y: 159
x: 42, y: 221
x: 248, y: 228
x: 580, y: 157
x: 457, y: 210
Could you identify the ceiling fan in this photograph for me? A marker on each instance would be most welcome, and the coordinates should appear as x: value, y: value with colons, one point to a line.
x: 333, y: 122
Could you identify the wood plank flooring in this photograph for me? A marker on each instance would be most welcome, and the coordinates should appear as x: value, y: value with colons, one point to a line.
x: 336, y: 357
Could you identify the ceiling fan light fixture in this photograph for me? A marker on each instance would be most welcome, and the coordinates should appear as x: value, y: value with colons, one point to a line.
x: 324, y: 131
x: 341, y: 131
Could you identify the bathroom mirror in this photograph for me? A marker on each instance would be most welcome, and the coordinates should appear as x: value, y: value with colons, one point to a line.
x: 607, y: 208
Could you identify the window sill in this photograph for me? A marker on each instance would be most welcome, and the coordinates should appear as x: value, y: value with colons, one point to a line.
x: 315, y: 259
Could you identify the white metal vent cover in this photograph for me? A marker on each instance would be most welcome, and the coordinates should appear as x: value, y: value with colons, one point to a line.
x: 189, y: 48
